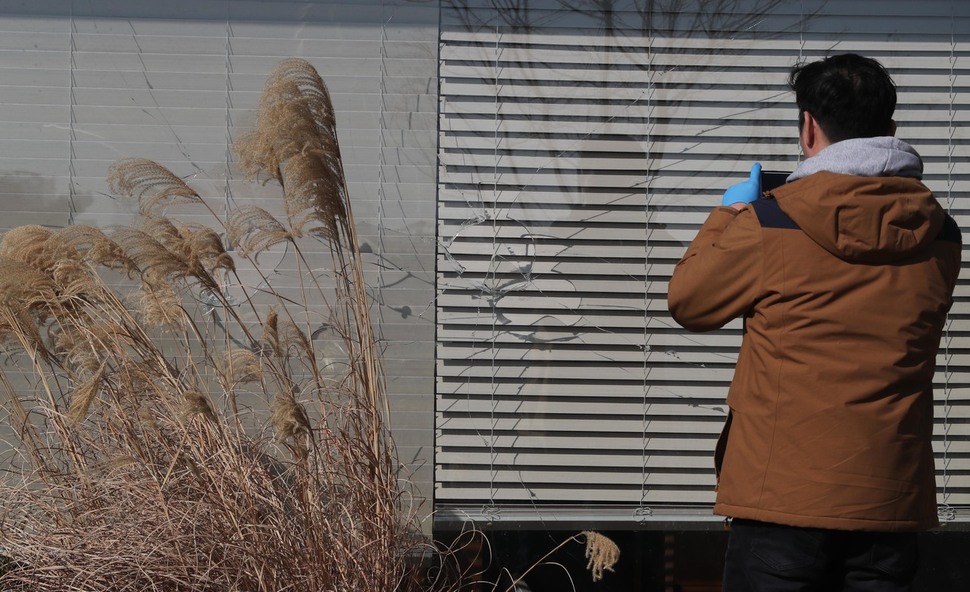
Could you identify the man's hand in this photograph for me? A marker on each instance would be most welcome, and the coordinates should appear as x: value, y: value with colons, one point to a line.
x: 745, y: 192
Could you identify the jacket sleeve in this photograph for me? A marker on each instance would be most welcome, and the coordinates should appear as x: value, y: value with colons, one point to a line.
x: 719, y: 277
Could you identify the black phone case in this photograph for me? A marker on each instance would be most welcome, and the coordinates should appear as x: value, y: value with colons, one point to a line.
x: 772, y: 179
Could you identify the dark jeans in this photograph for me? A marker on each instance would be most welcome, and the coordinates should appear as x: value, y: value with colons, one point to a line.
x: 764, y: 557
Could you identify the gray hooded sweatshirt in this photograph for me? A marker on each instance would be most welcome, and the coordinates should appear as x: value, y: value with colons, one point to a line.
x: 883, y: 156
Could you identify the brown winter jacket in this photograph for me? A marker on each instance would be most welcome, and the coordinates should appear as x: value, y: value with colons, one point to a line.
x: 844, y: 283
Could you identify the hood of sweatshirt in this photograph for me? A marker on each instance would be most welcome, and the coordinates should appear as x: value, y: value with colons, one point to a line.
x: 862, y: 200
x: 884, y: 156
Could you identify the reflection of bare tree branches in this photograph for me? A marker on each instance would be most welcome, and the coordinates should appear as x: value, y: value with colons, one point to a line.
x: 513, y: 14
x: 603, y: 9
x: 711, y: 19
x: 516, y: 12
x: 707, y: 18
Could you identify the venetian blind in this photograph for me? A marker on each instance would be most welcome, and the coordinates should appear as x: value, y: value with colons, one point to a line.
x: 581, y: 147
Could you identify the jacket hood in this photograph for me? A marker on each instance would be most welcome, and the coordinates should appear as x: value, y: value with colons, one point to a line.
x: 862, y: 201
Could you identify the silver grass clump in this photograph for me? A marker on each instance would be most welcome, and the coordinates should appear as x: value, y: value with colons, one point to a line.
x: 176, y: 430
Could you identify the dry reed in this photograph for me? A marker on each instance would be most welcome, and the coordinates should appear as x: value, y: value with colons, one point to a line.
x: 175, y: 429
x: 178, y: 431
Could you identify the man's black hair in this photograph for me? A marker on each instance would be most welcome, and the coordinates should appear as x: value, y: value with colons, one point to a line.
x: 850, y: 96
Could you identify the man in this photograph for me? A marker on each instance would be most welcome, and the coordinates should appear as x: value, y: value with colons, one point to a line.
x: 843, y: 276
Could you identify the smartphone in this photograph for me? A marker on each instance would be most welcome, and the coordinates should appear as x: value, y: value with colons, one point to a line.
x: 772, y: 179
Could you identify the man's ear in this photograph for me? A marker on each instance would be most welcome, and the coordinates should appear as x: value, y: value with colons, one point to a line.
x: 812, y: 138
x: 892, y: 127
x: 809, y: 133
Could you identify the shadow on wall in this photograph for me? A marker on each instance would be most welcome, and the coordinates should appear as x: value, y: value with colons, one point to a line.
x: 31, y: 198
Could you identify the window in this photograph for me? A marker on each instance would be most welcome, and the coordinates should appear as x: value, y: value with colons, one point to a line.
x: 581, y: 147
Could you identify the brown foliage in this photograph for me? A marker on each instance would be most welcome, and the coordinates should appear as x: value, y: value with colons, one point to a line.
x: 139, y: 469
